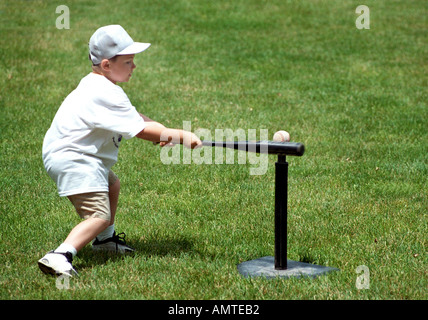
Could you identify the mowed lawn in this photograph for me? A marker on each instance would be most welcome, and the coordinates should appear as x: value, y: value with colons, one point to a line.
x: 356, y: 98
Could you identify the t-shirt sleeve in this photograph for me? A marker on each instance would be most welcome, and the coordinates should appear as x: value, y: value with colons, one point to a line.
x: 116, y: 113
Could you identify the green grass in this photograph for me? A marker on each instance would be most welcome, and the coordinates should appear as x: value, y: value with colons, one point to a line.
x: 355, y: 98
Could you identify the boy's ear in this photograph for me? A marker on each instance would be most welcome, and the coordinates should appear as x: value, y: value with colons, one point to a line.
x: 105, y: 65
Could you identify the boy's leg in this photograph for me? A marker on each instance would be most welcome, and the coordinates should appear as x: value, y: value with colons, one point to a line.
x: 99, y: 211
x: 95, y: 209
x: 113, y: 198
x: 113, y: 194
x: 108, y: 240
x: 85, y: 232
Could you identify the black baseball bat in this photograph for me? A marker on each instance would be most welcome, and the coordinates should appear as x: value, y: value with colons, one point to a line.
x: 266, y: 146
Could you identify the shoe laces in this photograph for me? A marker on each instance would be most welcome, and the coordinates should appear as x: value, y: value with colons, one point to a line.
x: 119, y: 238
x: 67, y: 255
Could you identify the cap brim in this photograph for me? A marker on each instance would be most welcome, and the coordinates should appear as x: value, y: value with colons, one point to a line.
x: 134, y: 48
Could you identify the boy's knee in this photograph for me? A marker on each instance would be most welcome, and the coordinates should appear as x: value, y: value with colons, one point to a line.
x: 92, y: 205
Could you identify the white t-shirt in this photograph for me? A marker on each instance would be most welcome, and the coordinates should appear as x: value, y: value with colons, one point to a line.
x: 83, y: 141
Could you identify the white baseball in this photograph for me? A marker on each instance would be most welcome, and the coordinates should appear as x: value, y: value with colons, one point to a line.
x: 281, y: 136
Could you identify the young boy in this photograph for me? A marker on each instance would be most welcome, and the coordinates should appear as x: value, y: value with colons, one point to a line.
x: 83, y: 141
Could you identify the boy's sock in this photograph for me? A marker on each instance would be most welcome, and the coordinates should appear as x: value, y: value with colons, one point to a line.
x: 107, y: 233
x: 65, y: 247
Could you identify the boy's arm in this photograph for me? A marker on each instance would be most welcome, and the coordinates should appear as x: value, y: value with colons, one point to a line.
x: 150, y: 121
x: 157, y: 132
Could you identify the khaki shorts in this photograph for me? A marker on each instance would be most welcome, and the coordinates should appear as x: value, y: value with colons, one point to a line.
x: 94, y: 204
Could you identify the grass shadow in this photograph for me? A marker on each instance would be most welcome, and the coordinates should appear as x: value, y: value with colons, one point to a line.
x: 163, y: 247
x: 87, y: 258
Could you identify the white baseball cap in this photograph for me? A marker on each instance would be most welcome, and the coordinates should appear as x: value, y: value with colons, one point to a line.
x: 112, y: 40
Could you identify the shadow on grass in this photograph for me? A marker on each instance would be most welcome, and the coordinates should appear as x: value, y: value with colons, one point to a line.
x: 163, y: 247
x: 88, y: 258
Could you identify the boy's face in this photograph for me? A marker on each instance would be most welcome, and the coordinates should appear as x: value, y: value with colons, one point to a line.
x: 121, y: 68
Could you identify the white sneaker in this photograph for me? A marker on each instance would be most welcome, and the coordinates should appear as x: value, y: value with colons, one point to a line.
x: 114, y: 244
x: 57, y: 263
